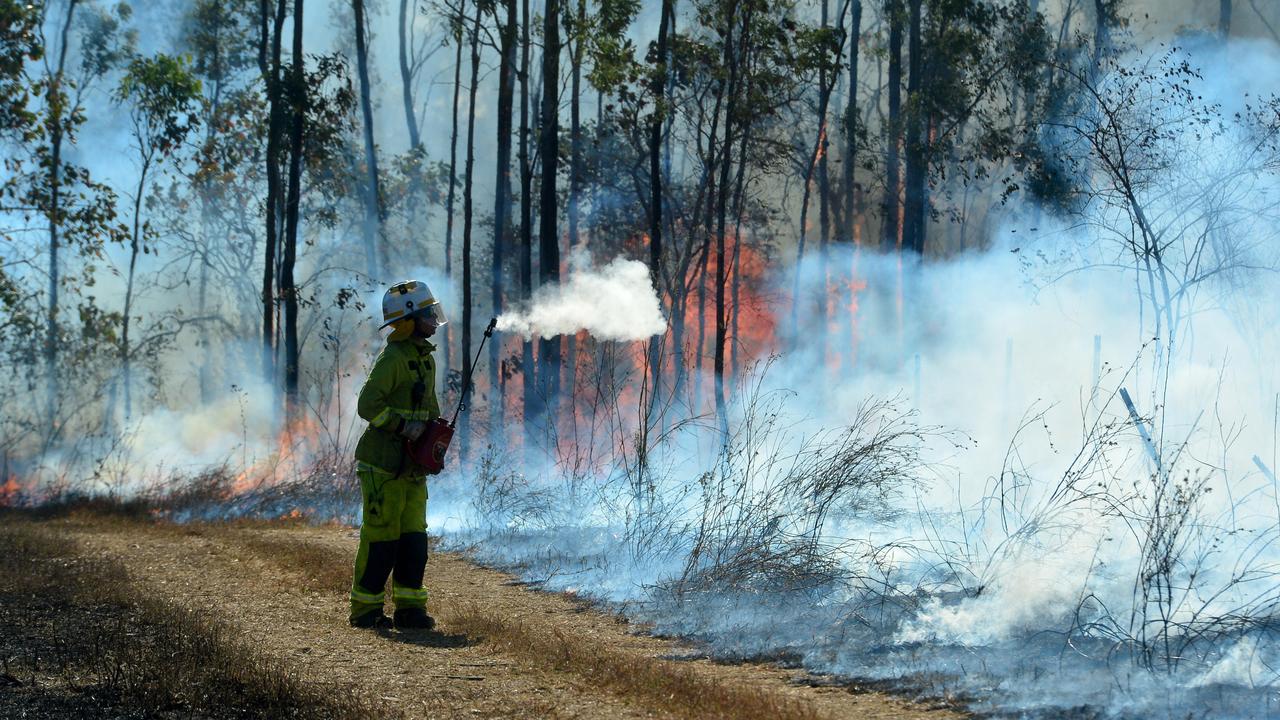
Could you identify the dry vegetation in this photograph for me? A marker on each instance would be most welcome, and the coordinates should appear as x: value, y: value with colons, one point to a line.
x: 89, y: 634
x: 662, y: 683
x: 115, y: 616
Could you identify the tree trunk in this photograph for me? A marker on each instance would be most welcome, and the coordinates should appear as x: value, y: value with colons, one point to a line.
x: 816, y: 162
x: 852, y: 212
x: 736, y: 59
x: 575, y: 125
x: 1101, y: 34
x: 739, y: 205
x: 416, y: 184
x: 827, y: 84
x: 273, y: 197
x: 56, y: 134
x: 205, y: 373
x: 468, y: 174
x: 570, y: 377
x: 288, y: 291
x: 451, y: 199
x: 657, y: 89
x: 913, y: 225
x: 889, y: 227
x: 406, y: 77
x: 135, y: 245
x: 1224, y: 18
x: 548, y: 231
x: 375, y: 251
x: 502, y: 201
x: 529, y: 371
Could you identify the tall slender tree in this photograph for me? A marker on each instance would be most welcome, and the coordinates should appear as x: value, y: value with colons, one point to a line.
x: 736, y: 54
x: 458, y: 23
x: 407, y: 72
x: 507, y: 27
x: 889, y: 207
x: 914, y: 141
x: 851, y: 212
x: 288, y: 288
x: 548, y: 227
x: 467, y: 219
x: 272, y: 26
x: 658, y: 83
x: 527, y: 364
x: 375, y: 248
x: 160, y: 93
x: 55, y: 123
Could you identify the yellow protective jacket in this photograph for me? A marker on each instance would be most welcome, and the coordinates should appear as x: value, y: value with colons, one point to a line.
x: 401, y: 387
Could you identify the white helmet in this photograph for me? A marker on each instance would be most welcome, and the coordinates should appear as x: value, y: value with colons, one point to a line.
x: 409, y: 299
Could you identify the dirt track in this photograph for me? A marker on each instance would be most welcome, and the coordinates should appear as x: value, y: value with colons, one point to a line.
x: 500, y: 651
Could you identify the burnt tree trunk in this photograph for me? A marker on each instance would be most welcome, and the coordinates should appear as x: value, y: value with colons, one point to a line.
x: 528, y: 370
x: 889, y: 207
x: 578, y: 23
x: 657, y: 88
x: 288, y: 290
x: 548, y: 230
x: 852, y: 213
x: 826, y: 84
x: 913, y: 219
x: 451, y: 198
x: 275, y: 121
x: 468, y: 175
x: 502, y: 200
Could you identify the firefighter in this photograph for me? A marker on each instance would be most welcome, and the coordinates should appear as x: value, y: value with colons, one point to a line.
x: 398, y: 399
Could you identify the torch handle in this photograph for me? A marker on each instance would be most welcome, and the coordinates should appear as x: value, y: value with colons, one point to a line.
x: 466, y: 385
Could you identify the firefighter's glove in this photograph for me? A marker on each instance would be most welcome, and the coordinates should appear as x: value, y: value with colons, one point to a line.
x: 413, y: 430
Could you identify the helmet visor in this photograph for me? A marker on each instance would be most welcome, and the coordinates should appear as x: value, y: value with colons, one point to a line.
x: 435, y: 312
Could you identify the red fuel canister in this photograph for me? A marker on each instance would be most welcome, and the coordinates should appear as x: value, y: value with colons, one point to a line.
x: 431, y: 446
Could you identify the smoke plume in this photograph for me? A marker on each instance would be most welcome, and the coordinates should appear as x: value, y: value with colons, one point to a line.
x: 614, y: 302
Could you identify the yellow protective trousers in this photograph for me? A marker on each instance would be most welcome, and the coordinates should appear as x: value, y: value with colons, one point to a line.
x: 393, y: 541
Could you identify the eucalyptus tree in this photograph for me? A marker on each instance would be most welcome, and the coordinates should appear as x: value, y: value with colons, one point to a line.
x: 160, y: 95
x: 79, y: 212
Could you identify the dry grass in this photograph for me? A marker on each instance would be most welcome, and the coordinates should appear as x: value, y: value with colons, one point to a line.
x: 667, y: 685
x: 110, y: 640
x: 322, y: 571
x: 672, y: 686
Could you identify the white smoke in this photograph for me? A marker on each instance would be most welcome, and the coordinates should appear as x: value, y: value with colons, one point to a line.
x: 614, y: 302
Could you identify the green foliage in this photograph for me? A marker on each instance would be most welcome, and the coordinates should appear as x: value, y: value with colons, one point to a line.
x: 611, y: 52
x: 105, y: 41
x: 19, y: 44
x: 162, y: 94
x: 221, y: 38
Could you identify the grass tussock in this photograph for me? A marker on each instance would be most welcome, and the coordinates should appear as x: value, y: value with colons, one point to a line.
x: 110, y: 640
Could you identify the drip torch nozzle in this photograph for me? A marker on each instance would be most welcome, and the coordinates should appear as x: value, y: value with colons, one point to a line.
x: 466, y: 385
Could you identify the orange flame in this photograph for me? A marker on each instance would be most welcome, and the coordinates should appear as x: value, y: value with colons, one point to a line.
x: 10, y: 491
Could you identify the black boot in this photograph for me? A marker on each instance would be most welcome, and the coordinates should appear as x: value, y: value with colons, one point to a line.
x: 372, y: 620
x: 414, y: 618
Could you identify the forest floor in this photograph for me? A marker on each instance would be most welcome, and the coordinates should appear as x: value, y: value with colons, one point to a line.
x: 112, y: 617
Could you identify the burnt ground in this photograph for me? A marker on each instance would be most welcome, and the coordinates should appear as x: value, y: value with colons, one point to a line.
x: 108, y: 617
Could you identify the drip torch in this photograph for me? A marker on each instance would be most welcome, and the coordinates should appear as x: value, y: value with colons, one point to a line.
x: 430, y: 447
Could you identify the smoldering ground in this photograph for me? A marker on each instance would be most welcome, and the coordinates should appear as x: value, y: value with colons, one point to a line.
x: 1033, y: 548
